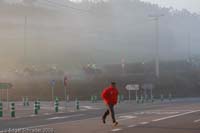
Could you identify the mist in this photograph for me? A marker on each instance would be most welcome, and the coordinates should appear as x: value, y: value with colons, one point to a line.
x: 101, y: 32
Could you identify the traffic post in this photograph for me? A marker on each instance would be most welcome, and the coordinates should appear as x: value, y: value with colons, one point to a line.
x: 27, y: 101
x: 56, y: 104
x: 161, y: 97
x: 95, y: 99
x: 1, y: 109
x: 137, y: 100
x: 12, y: 113
x: 53, y: 83
x: 77, y: 104
x: 38, y: 103
x: 170, y: 97
x: 35, y: 108
x: 142, y: 99
x: 146, y: 97
x: 152, y: 98
x: 92, y: 99
x: 122, y: 97
x: 119, y: 98
x: 24, y: 101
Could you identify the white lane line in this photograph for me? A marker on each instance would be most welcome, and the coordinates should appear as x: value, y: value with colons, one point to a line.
x: 64, y: 117
x: 143, y: 123
x: 197, y: 121
x: 126, y: 117
x: 132, y: 125
x: 173, y: 116
x: 117, y: 129
x: 47, y: 114
x: 157, y: 113
x: 90, y: 107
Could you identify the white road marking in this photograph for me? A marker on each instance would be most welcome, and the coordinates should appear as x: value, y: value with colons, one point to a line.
x: 197, y: 121
x: 143, y: 123
x: 64, y: 117
x: 126, y: 117
x: 89, y: 107
x: 173, y: 116
x: 83, y: 109
x: 157, y: 112
x: 132, y: 125
x: 75, y: 121
x: 46, y: 113
x: 48, y: 108
x: 117, y: 129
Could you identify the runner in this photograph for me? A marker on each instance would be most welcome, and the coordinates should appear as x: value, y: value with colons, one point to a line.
x: 109, y: 96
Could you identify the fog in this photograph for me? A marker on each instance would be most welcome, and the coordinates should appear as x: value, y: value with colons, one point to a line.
x: 72, y: 34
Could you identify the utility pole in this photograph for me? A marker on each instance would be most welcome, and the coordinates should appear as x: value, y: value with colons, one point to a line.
x: 156, y: 18
x: 189, y: 48
x: 25, y: 38
x: 123, y: 65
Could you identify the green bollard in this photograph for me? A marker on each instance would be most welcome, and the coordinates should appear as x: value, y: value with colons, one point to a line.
x: 77, y: 104
x: 92, y: 99
x: 146, y: 98
x: 35, y: 108
x: 56, y: 105
x: 161, y: 97
x: 170, y: 97
x: 27, y: 101
x: 152, y: 98
x: 119, y: 98
x: 137, y: 100
x: 24, y: 101
x: 95, y: 99
x: 12, y: 110
x: 1, y: 109
x: 142, y: 99
x: 122, y: 97
x: 38, y: 103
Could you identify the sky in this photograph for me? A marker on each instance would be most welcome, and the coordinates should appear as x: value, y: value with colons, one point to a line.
x: 191, y: 5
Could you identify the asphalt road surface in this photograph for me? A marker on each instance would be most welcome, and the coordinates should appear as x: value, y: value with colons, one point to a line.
x: 182, y: 116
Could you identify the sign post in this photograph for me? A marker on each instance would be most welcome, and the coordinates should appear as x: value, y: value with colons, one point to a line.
x: 123, y: 65
x: 132, y: 87
x: 53, y: 83
x: 148, y: 87
x: 65, y: 87
x: 7, y: 98
x: 5, y: 86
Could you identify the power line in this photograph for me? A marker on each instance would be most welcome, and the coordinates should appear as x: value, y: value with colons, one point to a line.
x: 66, y: 6
x: 47, y: 5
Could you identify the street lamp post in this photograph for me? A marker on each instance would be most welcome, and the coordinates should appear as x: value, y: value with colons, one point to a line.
x: 157, y: 56
x: 25, y: 37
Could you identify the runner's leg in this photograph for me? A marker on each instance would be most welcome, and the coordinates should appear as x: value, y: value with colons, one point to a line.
x: 111, y: 108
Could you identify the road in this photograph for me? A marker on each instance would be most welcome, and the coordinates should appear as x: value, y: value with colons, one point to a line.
x: 181, y: 116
